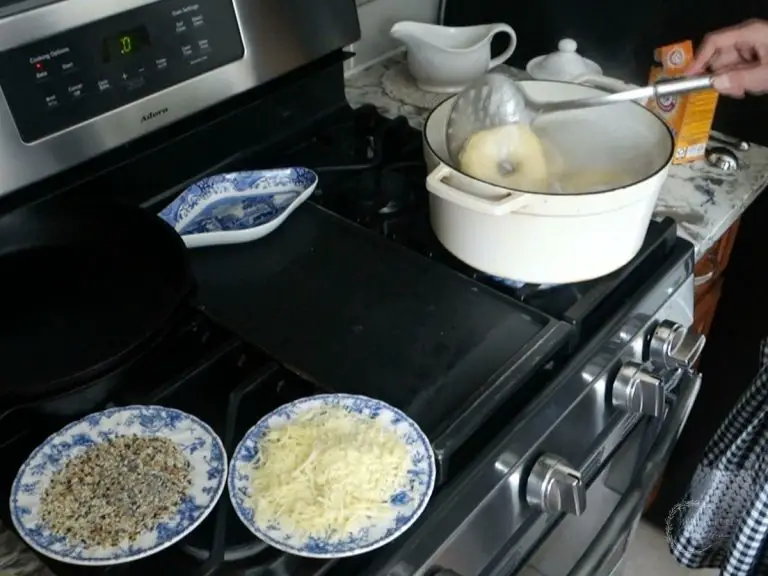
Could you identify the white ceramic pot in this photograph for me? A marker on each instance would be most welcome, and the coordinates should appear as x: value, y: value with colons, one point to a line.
x: 554, y: 238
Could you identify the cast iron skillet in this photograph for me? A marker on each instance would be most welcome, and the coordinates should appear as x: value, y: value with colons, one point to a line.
x: 86, y: 289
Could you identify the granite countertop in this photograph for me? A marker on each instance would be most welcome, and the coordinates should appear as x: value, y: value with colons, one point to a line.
x: 705, y: 201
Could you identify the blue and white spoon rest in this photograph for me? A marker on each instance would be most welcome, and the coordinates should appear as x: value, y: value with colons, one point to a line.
x: 239, y: 206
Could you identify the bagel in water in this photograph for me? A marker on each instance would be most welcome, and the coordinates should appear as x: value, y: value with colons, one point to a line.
x: 511, y: 156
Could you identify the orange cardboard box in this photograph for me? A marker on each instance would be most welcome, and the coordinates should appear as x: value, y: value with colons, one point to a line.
x: 689, y: 115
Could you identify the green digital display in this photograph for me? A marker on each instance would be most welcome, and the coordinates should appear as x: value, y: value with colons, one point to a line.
x: 126, y: 43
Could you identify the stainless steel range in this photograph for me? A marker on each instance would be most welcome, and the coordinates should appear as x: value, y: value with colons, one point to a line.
x: 561, y: 490
x: 550, y: 409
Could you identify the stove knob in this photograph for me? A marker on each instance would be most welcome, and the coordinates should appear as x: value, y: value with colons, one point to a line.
x: 635, y: 390
x: 554, y: 487
x: 673, y: 346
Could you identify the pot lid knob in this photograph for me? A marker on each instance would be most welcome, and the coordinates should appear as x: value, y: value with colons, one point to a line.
x: 564, y: 64
x: 567, y: 45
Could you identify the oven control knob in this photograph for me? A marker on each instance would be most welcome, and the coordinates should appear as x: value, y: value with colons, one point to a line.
x: 636, y: 391
x: 554, y: 487
x: 674, y: 346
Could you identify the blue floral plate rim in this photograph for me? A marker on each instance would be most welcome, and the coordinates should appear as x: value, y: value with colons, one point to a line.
x: 196, y: 198
x: 336, y: 399
x: 215, y: 473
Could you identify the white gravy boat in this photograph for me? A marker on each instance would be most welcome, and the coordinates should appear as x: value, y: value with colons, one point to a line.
x: 446, y: 59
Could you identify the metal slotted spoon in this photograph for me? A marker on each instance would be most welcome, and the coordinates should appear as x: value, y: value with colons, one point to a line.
x: 498, y: 100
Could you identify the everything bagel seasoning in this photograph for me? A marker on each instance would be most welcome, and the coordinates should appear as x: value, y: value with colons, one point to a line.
x: 116, y: 490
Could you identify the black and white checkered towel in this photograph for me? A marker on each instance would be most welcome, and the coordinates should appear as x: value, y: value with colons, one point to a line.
x: 723, y: 523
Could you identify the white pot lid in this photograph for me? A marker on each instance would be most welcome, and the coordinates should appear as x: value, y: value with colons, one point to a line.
x: 565, y: 64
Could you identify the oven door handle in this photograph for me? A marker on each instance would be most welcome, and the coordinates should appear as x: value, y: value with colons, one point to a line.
x: 624, y: 516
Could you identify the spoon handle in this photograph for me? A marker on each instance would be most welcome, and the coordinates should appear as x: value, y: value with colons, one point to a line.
x: 683, y: 85
x: 662, y: 88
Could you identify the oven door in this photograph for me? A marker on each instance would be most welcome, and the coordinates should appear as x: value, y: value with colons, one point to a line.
x: 594, y: 543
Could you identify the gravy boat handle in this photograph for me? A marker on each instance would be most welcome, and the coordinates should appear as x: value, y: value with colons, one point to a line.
x: 501, y: 58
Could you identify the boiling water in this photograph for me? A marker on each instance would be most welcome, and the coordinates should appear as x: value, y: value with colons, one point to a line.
x: 577, y: 152
x: 590, y: 152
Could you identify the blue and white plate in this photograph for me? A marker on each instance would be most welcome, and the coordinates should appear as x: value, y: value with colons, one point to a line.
x: 408, y: 505
x: 239, y: 206
x: 201, y: 446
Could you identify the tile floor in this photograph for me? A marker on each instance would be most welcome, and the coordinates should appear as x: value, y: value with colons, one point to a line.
x: 649, y: 555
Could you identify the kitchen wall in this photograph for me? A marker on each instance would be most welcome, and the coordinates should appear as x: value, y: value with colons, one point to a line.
x: 377, y: 17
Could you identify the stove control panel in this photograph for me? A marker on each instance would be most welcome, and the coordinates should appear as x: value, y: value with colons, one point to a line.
x: 69, y: 78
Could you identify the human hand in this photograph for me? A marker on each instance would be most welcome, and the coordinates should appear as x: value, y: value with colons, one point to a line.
x: 738, y: 56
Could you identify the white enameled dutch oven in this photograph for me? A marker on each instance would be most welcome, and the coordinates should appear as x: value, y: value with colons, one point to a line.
x: 546, y: 238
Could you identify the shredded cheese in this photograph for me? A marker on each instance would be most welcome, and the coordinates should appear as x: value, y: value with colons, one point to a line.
x: 328, y: 472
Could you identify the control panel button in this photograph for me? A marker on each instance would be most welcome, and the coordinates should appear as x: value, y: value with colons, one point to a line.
x: 137, y: 70
x: 197, y: 21
x: 51, y: 101
x: 40, y: 68
x: 134, y: 83
x: 103, y: 85
x: 204, y: 46
x: 76, y: 90
x: 186, y: 50
x: 161, y: 63
x: 67, y: 66
x: 131, y: 81
x: 181, y: 26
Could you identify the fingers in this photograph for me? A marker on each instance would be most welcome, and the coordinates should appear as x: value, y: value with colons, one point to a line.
x: 761, y: 52
x: 724, y: 59
x: 748, y: 41
x: 748, y: 80
x: 722, y: 41
x: 706, y: 53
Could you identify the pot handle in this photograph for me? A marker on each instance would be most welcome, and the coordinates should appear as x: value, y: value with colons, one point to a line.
x: 501, y: 58
x: 437, y: 186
